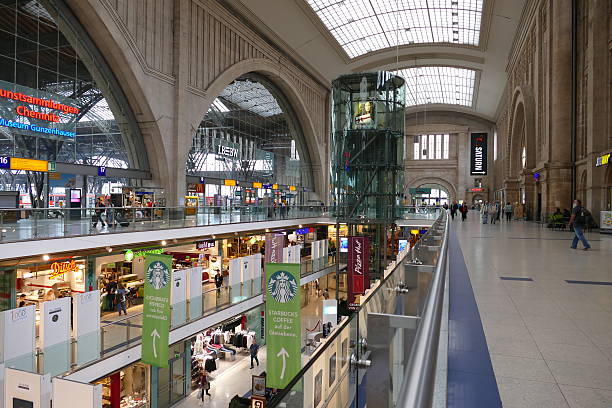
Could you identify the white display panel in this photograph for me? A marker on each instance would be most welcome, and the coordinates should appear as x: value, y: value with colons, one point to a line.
x: 86, y: 313
x: 55, y: 335
x: 330, y: 311
x: 27, y: 387
x: 18, y: 324
x: 257, y: 265
x: 55, y: 322
x: 86, y: 326
x: 235, y: 271
x: 246, y: 264
x: 194, y: 291
x: 68, y: 393
x: 178, y: 297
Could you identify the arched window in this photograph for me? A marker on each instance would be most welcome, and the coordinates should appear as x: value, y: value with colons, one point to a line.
x: 524, y: 157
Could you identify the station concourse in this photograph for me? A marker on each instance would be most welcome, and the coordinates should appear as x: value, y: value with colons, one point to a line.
x: 305, y: 203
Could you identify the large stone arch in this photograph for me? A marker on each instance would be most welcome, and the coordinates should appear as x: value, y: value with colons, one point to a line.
x: 314, y: 145
x: 521, y: 128
x: 419, y: 181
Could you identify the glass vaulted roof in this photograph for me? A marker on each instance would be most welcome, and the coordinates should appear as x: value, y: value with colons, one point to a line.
x: 251, y: 96
x: 362, y: 26
x: 448, y: 85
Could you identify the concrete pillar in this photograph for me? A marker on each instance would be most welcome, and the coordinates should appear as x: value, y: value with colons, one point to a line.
x: 463, y: 157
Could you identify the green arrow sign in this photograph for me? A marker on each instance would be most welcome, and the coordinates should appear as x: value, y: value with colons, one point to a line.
x: 283, y: 326
x: 156, y: 309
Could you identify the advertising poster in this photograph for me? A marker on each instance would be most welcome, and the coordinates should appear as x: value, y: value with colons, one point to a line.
x: 194, y: 279
x: 478, y: 154
x: 274, y: 247
x: 18, y: 324
x: 55, y: 334
x: 86, y: 325
x: 358, y: 267
x: 179, y: 297
x: 156, y: 309
x: 283, y: 328
x: 605, y: 224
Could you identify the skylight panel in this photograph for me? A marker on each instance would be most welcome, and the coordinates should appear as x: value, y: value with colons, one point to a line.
x: 252, y: 96
x: 362, y: 26
x: 439, y: 85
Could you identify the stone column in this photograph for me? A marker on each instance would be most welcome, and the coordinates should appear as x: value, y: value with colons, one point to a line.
x: 558, y: 169
x: 463, y: 165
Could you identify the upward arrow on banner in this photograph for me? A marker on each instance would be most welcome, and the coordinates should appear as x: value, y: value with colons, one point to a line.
x: 155, y: 336
x: 285, y: 355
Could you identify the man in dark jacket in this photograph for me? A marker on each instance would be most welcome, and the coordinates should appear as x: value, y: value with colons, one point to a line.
x: 578, y: 221
x: 253, y: 351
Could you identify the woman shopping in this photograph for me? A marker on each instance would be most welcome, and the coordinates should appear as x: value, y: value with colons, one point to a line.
x: 204, y: 385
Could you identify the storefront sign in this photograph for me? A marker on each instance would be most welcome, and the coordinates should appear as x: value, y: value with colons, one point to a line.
x: 156, y: 309
x: 603, y: 160
x: 283, y: 334
x: 358, y: 267
x: 476, y: 189
x: 131, y: 254
x: 257, y: 185
x: 478, y: 153
x: 208, y: 243
x: 274, y: 247
x: 229, y: 182
x: 268, y: 186
x: 227, y: 151
x: 60, y: 268
x: 302, y: 231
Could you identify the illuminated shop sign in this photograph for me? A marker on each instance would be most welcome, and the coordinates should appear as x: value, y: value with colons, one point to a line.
x: 257, y: 185
x: 131, y: 254
x: 302, y: 231
x: 60, y: 268
x: 603, y: 160
x: 209, y: 243
x: 227, y: 151
x: 24, y: 107
x: 476, y: 189
x: 478, y: 154
x: 267, y: 185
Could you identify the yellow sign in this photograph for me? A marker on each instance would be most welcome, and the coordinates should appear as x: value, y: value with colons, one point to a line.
x: 257, y: 185
x: 55, y: 176
x: 291, y: 188
x: 230, y: 182
x: 60, y: 268
x: 274, y: 186
x: 603, y: 160
x: 29, y: 164
x: 414, y: 232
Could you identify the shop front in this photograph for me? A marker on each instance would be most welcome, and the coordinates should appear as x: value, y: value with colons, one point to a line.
x: 127, y: 388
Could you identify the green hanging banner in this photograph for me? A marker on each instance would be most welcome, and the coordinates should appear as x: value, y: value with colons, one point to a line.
x: 283, y: 323
x: 156, y: 309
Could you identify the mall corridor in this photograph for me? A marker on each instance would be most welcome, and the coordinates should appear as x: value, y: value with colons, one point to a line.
x: 546, y: 314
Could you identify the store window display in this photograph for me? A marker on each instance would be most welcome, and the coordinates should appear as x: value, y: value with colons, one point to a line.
x: 128, y: 388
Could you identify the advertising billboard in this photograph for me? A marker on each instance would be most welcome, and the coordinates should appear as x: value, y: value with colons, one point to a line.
x: 478, y: 154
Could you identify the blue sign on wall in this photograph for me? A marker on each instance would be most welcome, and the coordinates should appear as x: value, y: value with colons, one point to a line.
x: 5, y: 162
x: 102, y: 171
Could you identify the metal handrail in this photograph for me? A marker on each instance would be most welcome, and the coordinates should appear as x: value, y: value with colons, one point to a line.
x: 418, y: 386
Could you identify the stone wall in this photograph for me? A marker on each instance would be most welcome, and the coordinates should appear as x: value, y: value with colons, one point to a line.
x: 173, y: 57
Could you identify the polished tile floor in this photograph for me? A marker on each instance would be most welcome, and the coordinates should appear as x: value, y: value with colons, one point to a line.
x: 550, y: 341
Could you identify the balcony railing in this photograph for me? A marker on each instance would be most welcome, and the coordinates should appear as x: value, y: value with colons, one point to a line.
x: 390, y: 343
x: 40, y: 223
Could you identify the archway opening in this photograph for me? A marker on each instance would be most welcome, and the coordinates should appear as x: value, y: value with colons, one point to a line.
x: 430, y: 194
x: 249, y: 134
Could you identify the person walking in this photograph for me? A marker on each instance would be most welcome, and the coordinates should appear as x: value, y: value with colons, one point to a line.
x: 508, y: 211
x: 493, y: 212
x: 253, y: 351
x: 204, y: 385
x: 121, y: 299
x: 219, y: 282
x: 463, y: 210
x: 484, y: 213
x: 99, y: 213
x: 453, y: 210
x: 578, y: 221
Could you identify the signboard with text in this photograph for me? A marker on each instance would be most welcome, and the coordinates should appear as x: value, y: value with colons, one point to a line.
x: 283, y: 323
x: 478, y: 154
x: 274, y: 247
x: 156, y: 309
x: 358, y: 267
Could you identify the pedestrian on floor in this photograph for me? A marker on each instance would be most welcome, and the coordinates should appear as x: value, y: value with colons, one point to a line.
x: 204, y: 385
x: 508, y: 209
x: 463, y: 210
x: 484, y: 213
x: 121, y: 299
x: 453, y: 210
x: 219, y: 282
x: 578, y: 221
x: 493, y: 212
x: 498, y: 209
x: 253, y: 351
x: 99, y: 213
